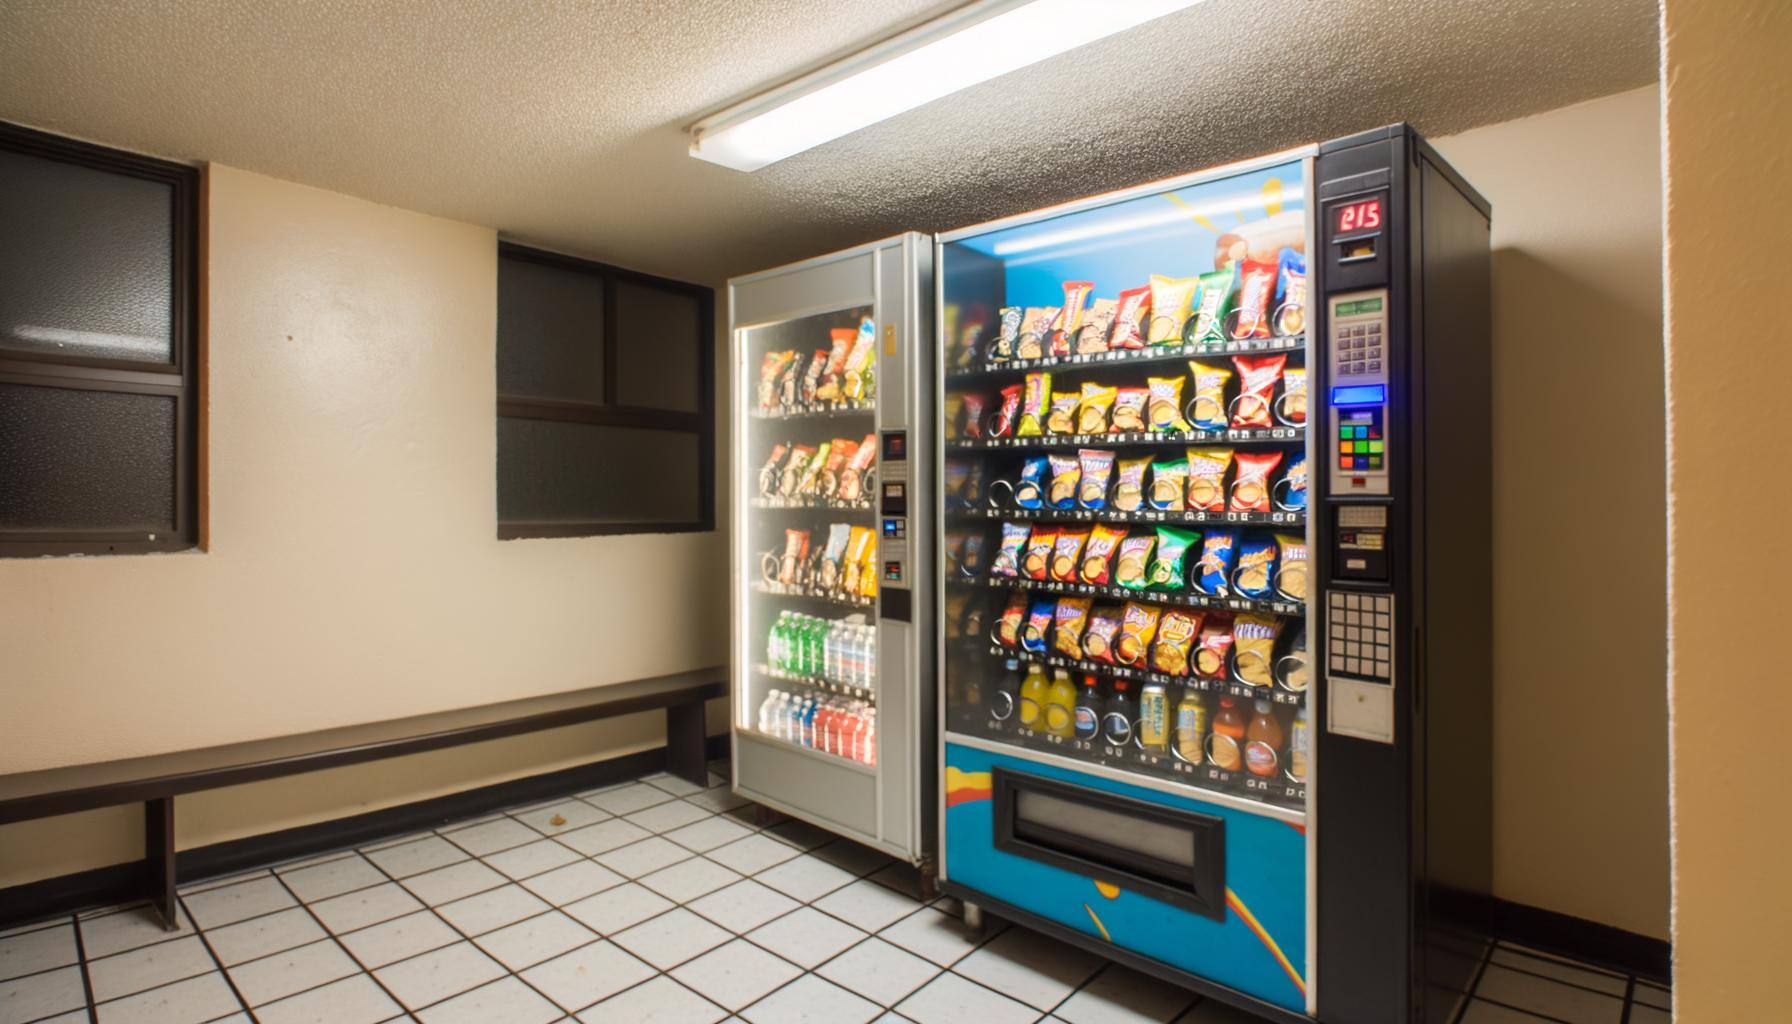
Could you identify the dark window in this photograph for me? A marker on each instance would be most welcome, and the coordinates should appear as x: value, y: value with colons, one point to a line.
x: 605, y: 418
x: 98, y: 348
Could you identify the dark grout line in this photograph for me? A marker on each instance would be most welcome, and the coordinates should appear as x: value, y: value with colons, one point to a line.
x: 180, y: 905
x: 74, y: 921
x: 1536, y: 1014
x: 1474, y: 983
x: 333, y: 937
x: 1551, y: 978
x: 1629, y: 997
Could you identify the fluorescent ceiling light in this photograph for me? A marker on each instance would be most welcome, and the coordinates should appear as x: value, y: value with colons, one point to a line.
x: 973, y: 44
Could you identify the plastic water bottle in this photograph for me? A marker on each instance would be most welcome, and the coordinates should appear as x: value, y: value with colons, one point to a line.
x: 769, y: 708
x: 809, y: 708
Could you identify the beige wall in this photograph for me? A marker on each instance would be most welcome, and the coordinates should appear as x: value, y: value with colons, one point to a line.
x: 1580, y: 706
x: 351, y: 572
x: 1728, y: 151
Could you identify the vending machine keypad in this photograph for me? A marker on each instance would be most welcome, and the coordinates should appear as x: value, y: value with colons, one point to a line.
x: 1360, y: 634
x: 1361, y: 390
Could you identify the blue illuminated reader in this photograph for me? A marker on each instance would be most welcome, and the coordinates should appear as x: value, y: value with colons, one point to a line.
x: 1360, y: 394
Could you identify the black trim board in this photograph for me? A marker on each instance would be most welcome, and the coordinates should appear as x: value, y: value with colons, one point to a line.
x: 1551, y: 932
x: 118, y: 883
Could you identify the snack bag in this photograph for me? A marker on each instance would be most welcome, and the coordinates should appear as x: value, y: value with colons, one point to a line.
x: 1035, y: 325
x: 1029, y: 491
x: 1129, y: 489
x: 1067, y: 551
x: 1213, y: 572
x: 1130, y: 310
x: 1256, y: 288
x: 812, y: 472
x: 1171, y: 298
x: 1093, y: 335
x: 1129, y: 408
x: 1207, y: 478
x: 1291, y: 492
x: 952, y: 411
x: 1175, y: 634
x: 970, y: 554
x: 853, y: 565
x: 1216, y: 301
x: 1257, y: 376
x: 1104, y: 628
x: 1040, y: 615
x: 1098, y: 554
x: 790, y: 381
x: 1132, y: 561
x: 852, y: 478
x: 1014, y: 541
x: 1014, y: 614
x: 1291, y: 576
x: 768, y: 473
x: 1034, y: 399
x: 1036, y: 563
x: 812, y: 375
x: 868, y: 568
x: 969, y: 335
x: 793, y: 469
x: 1215, y: 645
x: 856, y: 382
x: 1010, y: 407
x: 1068, y: 624
x: 1092, y: 410
x: 1163, y: 406
x: 1250, y: 489
x: 1167, y: 571
x: 829, y: 389
x: 1007, y: 344
x: 771, y: 369
x: 1254, y: 647
x: 1291, y: 408
x: 973, y: 415
x: 1065, y: 471
x: 1097, y: 467
x: 1256, y: 567
x: 796, y: 552
x: 1169, y: 482
x: 1070, y: 316
x: 839, y: 450
x: 1209, y: 411
x: 1138, y: 624
x: 1060, y: 416
x: 1291, y: 294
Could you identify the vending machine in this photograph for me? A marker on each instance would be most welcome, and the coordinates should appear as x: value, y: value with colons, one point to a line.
x: 1214, y: 588
x: 832, y: 567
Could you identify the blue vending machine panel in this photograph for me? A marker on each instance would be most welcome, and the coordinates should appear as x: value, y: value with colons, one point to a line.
x: 1253, y: 936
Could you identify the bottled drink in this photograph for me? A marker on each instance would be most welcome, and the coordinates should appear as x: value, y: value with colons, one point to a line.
x: 805, y: 723
x: 870, y: 752
x: 1116, y: 721
x: 868, y: 663
x: 1264, y: 740
x: 1032, y: 697
x: 775, y: 643
x: 1004, y: 695
x: 832, y: 650
x: 1154, y: 718
x: 767, y: 709
x: 1088, y: 711
x: 1060, y: 706
x: 1191, y: 727
x: 1225, y: 748
x: 1300, y: 747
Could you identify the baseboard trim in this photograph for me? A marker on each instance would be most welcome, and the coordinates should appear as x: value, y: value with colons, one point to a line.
x: 1562, y: 934
x: 118, y: 883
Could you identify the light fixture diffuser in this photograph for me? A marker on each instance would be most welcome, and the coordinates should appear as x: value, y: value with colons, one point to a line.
x: 973, y: 44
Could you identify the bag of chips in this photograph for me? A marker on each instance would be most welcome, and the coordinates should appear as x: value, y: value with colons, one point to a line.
x: 1060, y: 415
x: 1169, y: 483
x: 793, y: 469
x: 1129, y: 488
x: 1129, y: 409
x: 1254, y: 648
x: 1014, y: 541
x: 1216, y: 301
x: 1291, y: 408
x: 970, y: 554
x: 1067, y: 553
x: 1291, y: 490
x: 1250, y: 486
x: 1006, y: 413
x: 1207, y: 478
x: 771, y: 369
x: 1036, y: 562
x: 1163, y: 406
x: 811, y: 477
x: 839, y: 451
x: 1040, y: 616
x: 1092, y: 410
x: 1070, y: 316
x: 1035, y: 326
x: 1104, y: 628
x: 1033, y: 402
x: 1257, y: 376
x: 1291, y: 575
x: 1256, y: 567
x: 1207, y: 409
x: 1138, y: 624
x: 853, y: 565
x: 1007, y: 344
x: 768, y: 473
x: 1215, y: 645
x: 1213, y: 572
x: 1092, y: 336
x: 1098, y: 554
x: 1066, y: 471
x: 1171, y: 298
x: 812, y: 375
x: 973, y: 416
x: 1291, y: 294
x: 1167, y: 570
x: 1014, y: 614
x: 1132, y: 561
x: 790, y: 381
x: 1131, y: 309
x: 1256, y: 289
x: 868, y: 568
x: 1029, y: 490
x: 833, y: 556
x: 852, y: 475
x: 1175, y: 634
x: 1097, y: 467
x: 1071, y: 619
x: 856, y: 380
x: 831, y: 374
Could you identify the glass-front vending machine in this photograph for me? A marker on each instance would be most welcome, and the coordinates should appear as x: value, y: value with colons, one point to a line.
x: 1213, y: 516
x: 832, y: 558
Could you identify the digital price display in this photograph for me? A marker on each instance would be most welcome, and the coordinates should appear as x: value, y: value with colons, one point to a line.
x: 1362, y: 215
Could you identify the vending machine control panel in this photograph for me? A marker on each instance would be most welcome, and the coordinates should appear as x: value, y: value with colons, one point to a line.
x: 892, y: 509
x: 1358, y: 439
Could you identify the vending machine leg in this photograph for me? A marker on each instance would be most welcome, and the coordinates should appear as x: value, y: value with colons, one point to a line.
x: 973, y: 922
x: 930, y: 886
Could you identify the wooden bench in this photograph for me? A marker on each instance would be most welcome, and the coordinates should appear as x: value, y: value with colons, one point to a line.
x: 155, y: 781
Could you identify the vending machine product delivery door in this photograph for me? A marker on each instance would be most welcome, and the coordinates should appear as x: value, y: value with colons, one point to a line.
x: 832, y: 551
x: 1213, y: 515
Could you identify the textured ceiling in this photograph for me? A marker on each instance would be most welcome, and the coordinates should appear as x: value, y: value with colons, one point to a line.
x: 561, y: 122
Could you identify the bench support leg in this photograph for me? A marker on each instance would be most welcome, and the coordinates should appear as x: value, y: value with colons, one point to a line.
x: 158, y: 857
x: 686, y: 743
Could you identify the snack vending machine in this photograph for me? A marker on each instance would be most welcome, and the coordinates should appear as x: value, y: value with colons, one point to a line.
x: 833, y: 667
x: 1214, y: 479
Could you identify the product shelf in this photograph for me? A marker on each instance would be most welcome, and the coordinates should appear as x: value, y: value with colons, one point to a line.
x: 817, y: 683
x: 1294, y: 343
x: 856, y: 602
x: 806, y: 501
x: 815, y: 752
x: 816, y: 410
x: 1131, y: 438
x: 1187, y: 598
x: 1147, y: 516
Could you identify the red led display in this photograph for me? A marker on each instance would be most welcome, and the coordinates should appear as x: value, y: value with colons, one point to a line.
x: 1362, y: 215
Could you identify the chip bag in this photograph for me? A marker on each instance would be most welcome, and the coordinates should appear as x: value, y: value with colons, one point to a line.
x: 1291, y: 490
x: 1098, y: 554
x: 1215, y: 645
x: 1132, y: 561
x: 771, y: 368
x: 1169, y: 483
x: 1129, y: 409
x: 1014, y: 541
x: 973, y: 411
x: 1040, y: 616
x: 1014, y: 614
x: 1291, y: 575
x: 1035, y: 326
x: 1068, y: 624
x: 1175, y: 634
x: 768, y: 473
x: 796, y: 552
x: 812, y: 375
x: 1060, y: 415
x: 868, y: 568
x: 1035, y: 397
x: 1066, y: 471
x: 1006, y: 412
x: 1216, y: 300
x: 1207, y: 410
x: 1138, y: 624
x: 1171, y: 298
x: 811, y: 477
x: 852, y: 567
x: 1092, y: 336
x: 792, y: 477
x: 1067, y: 552
x: 1070, y: 316
x: 1167, y: 571
x: 1257, y: 376
x: 1291, y: 294
x: 1256, y: 289
x: 856, y: 381
x: 1007, y: 344
x: 1207, y: 478
x: 1254, y: 647
x: 1097, y: 467
x: 1213, y: 572
x: 1250, y: 487
x: 1130, y: 311
x: 829, y: 389
x: 1092, y: 411
x: 1029, y: 490
x: 1291, y: 408
x: 1104, y: 628
x: 1036, y: 563
x: 852, y: 477
x: 1256, y: 567
x: 1129, y: 488
x: 1163, y: 404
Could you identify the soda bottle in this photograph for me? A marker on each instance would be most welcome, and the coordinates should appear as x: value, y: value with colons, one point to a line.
x: 1264, y: 740
x: 1060, y: 706
x: 1116, y: 721
x: 1300, y: 746
x: 1003, y: 696
x: 1032, y: 697
x: 870, y: 745
x: 1154, y: 718
x: 810, y: 707
x: 1088, y: 710
x: 1226, y: 745
x: 774, y: 643
x: 1191, y: 727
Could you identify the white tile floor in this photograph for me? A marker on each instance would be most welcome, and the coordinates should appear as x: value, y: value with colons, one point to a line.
x: 652, y: 901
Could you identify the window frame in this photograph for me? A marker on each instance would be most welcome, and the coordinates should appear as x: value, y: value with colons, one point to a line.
x: 612, y: 413
x: 178, y: 379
